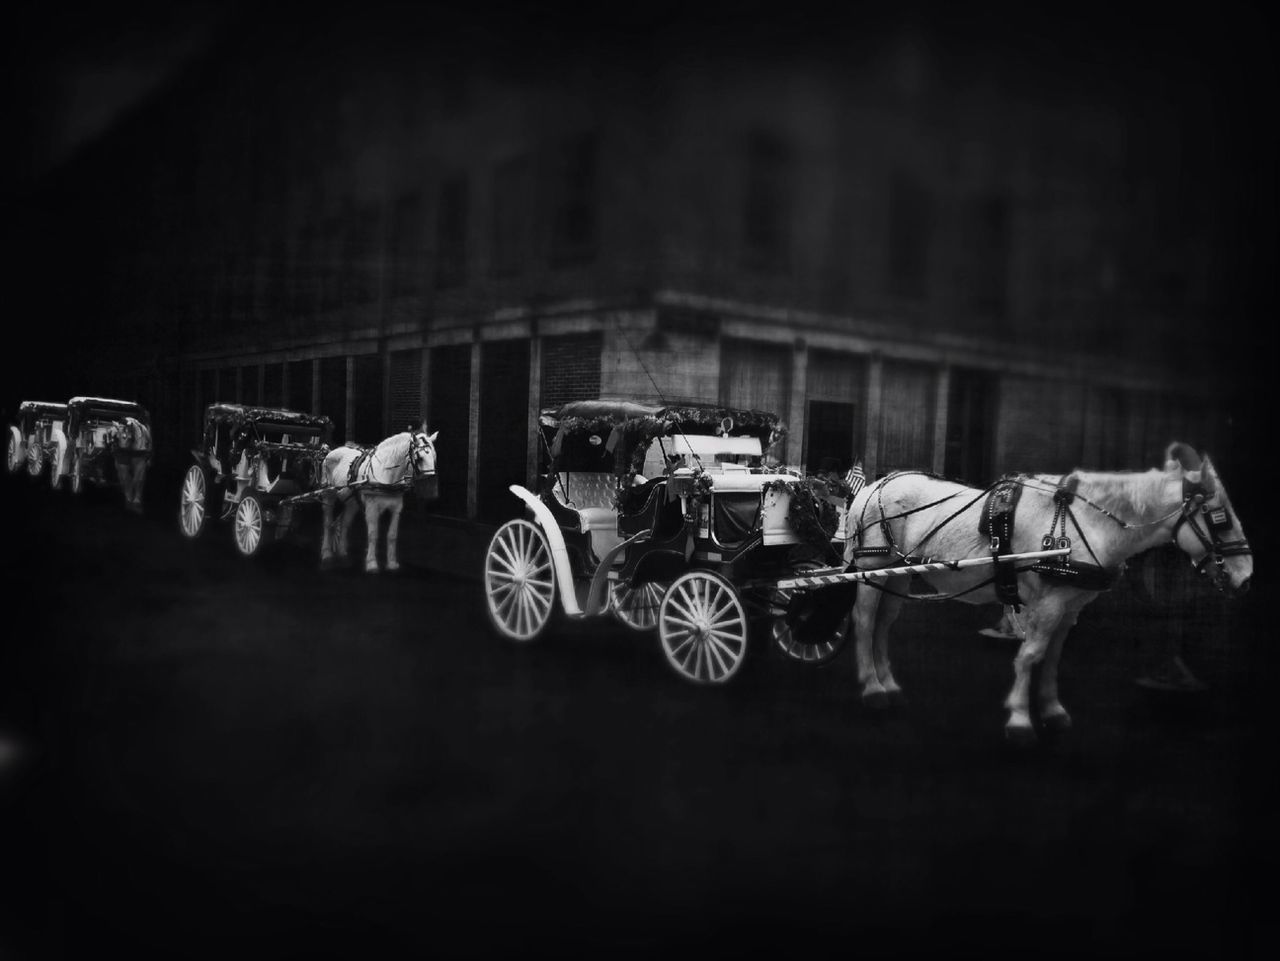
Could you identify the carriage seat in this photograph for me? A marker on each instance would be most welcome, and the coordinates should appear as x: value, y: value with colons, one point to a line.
x: 590, y: 493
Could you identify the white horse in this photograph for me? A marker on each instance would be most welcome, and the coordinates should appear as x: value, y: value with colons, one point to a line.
x: 381, y: 474
x: 1113, y: 516
x: 132, y: 453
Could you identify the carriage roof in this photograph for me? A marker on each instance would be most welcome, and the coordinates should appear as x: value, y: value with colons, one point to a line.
x: 591, y: 416
x: 107, y: 406
x: 240, y: 414
x: 42, y: 407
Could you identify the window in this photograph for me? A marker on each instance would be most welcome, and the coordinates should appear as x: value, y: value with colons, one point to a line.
x: 512, y: 215
x: 830, y: 427
x: 451, y: 233
x: 971, y: 426
x: 405, y: 389
x: 367, y: 399
x: 573, y: 225
x: 333, y: 395
x: 273, y: 385
x: 767, y: 204
x: 910, y: 230
x: 300, y: 372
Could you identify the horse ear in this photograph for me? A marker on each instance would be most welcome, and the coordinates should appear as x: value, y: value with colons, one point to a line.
x: 1181, y: 455
x: 432, y: 437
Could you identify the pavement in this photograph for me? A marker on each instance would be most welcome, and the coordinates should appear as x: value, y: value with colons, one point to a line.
x: 203, y: 756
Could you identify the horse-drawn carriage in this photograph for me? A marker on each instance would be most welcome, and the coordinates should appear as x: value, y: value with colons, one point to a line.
x: 38, y: 439
x: 101, y: 431
x: 669, y: 516
x: 251, y: 463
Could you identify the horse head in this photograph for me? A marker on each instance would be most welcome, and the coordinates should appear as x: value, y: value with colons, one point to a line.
x: 1208, y: 530
x: 422, y: 451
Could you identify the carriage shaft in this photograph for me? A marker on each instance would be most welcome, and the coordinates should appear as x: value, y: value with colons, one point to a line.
x: 848, y: 577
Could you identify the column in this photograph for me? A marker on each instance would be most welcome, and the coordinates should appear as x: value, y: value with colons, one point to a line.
x: 535, y: 403
x: 473, y: 441
x: 875, y: 377
x: 350, y: 410
x: 424, y: 388
x: 796, y: 415
x: 941, y: 398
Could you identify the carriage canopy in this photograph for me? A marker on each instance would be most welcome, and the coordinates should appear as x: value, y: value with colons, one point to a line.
x: 29, y: 411
x: 604, y: 435
x: 82, y: 409
x: 272, y: 424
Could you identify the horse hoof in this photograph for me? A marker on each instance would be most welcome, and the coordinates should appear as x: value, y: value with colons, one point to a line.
x: 876, y: 700
x: 371, y: 569
x: 393, y: 567
x: 1057, y: 723
x: 1020, y: 736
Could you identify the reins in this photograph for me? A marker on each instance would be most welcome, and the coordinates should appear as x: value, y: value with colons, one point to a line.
x: 1195, y: 500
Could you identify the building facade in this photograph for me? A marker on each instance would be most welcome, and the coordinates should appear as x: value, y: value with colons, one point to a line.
x: 914, y: 263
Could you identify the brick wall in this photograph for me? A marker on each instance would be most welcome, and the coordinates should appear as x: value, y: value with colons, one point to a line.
x: 570, y: 368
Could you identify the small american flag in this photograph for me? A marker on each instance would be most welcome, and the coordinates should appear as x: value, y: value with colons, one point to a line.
x: 855, y: 480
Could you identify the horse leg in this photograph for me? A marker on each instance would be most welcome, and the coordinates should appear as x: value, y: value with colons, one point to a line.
x: 865, y: 609
x: 326, y: 531
x: 1040, y: 631
x: 890, y: 608
x: 372, y: 516
x: 349, y: 511
x: 1052, y: 713
x: 393, y: 533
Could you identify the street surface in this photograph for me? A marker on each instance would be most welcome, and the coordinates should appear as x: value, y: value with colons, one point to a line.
x: 206, y: 756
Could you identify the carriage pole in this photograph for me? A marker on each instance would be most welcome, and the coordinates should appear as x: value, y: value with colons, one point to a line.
x: 853, y: 577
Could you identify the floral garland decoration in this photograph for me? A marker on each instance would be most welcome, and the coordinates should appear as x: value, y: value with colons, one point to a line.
x: 814, y: 518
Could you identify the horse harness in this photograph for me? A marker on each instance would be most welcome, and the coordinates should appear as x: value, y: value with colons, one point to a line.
x: 1217, y: 521
x: 997, y: 524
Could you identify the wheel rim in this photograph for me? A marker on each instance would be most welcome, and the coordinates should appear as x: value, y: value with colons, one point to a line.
x: 35, y: 460
x: 191, y: 513
x: 790, y: 638
x: 54, y: 476
x: 637, y: 607
x: 77, y: 475
x: 248, y: 526
x: 518, y: 580
x: 703, y: 628
x: 14, y: 462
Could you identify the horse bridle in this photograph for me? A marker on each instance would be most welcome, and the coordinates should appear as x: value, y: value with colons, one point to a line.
x: 1196, y: 501
x: 417, y: 442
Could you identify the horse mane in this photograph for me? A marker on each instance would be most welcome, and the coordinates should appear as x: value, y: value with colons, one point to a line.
x: 1133, y: 496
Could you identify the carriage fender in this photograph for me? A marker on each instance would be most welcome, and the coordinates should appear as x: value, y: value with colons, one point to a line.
x: 559, y: 555
x: 60, y: 444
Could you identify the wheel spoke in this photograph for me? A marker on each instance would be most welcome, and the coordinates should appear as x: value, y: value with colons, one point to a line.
x: 714, y: 650
x: 494, y: 558
x: 683, y: 610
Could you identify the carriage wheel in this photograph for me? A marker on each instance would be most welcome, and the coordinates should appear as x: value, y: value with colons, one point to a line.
x: 55, y: 475
x: 35, y: 459
x: 637, y: 607
x: 191, y: 510
x: 703, y: 627
x: 16, y: 455
x: 77, y: 473
x: 519, y: 584
x: 250, y: 526
x: 793, y: 629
